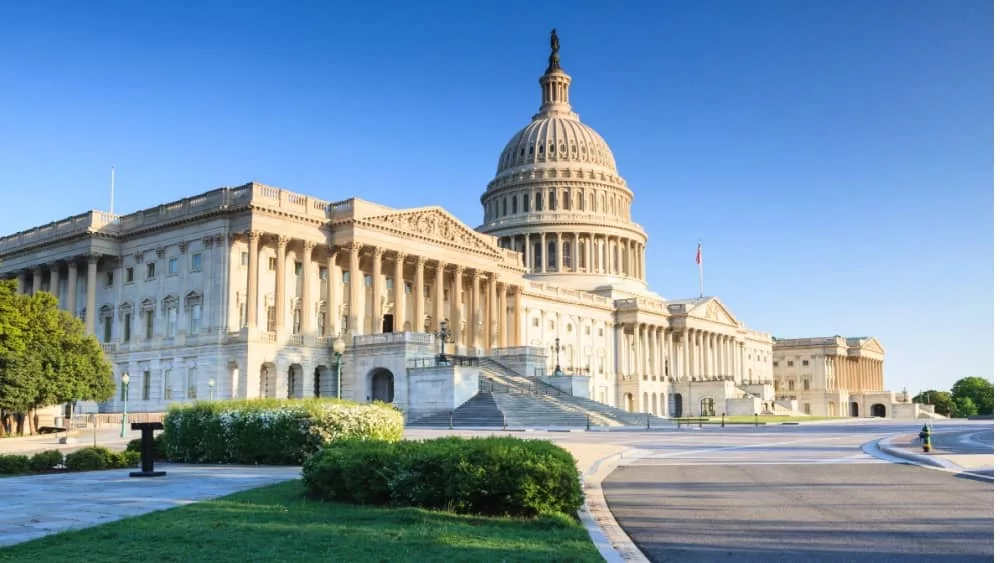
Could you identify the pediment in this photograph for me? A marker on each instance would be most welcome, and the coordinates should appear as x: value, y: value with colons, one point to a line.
x: 435, y: 225
x: 714, y: 310
x: 873, y: 345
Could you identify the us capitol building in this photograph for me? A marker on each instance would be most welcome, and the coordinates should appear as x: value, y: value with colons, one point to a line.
x: 255, y: 291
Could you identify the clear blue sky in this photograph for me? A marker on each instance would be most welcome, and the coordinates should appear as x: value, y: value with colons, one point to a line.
x: 834, y: 156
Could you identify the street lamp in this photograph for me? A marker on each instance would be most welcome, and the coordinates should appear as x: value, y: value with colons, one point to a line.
x: 211, y: 389
x: 125, y: 379
x: 338, y: 353
x: 444, y: 335
x: 558, y: 371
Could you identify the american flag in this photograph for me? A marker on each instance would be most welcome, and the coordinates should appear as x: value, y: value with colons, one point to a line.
x: 697, y: 257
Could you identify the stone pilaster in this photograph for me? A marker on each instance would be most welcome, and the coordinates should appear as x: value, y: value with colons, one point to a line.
x: 253, y: 270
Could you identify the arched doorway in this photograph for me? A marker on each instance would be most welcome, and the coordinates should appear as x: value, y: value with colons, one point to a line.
x: 317, y: 387
x: 678, y: 405
x: 708, y: 406
x: 855, y: 411
x: 268, y: 381
x: 387, y: 323
x: 878, y: 410
x: 295, y: 383
x: 382, y: 385
x: 629, y: 402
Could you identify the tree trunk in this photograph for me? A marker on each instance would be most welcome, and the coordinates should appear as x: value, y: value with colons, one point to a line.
x: 19, y: 423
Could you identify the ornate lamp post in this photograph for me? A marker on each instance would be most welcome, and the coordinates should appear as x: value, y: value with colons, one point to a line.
x: 338, y: 353
x: 211, y: 389
x: 557, y: 349
x: 444, y: 335
x: 125, y: 379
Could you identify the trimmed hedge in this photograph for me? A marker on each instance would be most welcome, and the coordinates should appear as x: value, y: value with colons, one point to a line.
x: 272, y: 431
x: 496, y: 476
x: 93, y: 458
x: 159, y: 446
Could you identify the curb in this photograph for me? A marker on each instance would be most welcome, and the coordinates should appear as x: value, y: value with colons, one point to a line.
x: 884, y: 446
x: 614, y: 545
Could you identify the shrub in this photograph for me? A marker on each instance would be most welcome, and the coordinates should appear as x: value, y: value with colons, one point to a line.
x: 272, y: 431
x: 87, y: 459
x: 159, y: 447
x: 487, y: 476
x: 43, y: 461
x: 14, y: 464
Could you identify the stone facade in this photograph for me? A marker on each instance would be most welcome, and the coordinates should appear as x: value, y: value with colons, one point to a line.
x: 243, y: 291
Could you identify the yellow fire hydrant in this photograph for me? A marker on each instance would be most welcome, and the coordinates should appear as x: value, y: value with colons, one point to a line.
x: 925, y: 438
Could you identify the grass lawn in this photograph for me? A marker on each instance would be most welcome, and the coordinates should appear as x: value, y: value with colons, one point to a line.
x: 276, y: 523
x: 770, y: 418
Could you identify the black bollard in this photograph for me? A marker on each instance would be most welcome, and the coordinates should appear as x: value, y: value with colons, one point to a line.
x: 148, y: 446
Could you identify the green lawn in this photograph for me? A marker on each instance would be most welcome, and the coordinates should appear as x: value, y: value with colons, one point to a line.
x: 276, y: 523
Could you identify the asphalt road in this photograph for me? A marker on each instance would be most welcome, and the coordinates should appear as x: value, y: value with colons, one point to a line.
x: 963, y: 441
x: 804, y: 494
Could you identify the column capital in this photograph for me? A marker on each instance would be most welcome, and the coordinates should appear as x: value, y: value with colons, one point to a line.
x: 421, y: 261
x: 92, y: 258
x: 378, y: 252
x: 282, y: 240
x: 354, y: 247
x: 308, y: 245
x: 400, y: 255
x: 206, y: 241
x: 254, y: 235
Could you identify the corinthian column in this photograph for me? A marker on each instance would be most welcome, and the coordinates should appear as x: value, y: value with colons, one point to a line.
x: 356, y: 315
x: 398, y: 294
x: 307, y: 279
x: 417, y: 325
x: 253, y: 238
x: 438, y: 295
x: 334, y: 293
x: 71, y: 287
x: 491, y: 314
x: 279, y: 283
x: 91, y: 293
x: 475, y: 313
x: 502, y: 315
x: 375, y: 324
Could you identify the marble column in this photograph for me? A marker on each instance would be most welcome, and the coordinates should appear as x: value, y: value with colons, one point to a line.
x: 417, y: 324
x: 456, y: 305
x: 475, y: 314
x: 253, y: 252
x: 545, y: 253
x: 91, y: 293
x: 279, y: 282
x: 620, y: 348
x: 71, y: 274
x: 308, y: 326
x: 334, y: 293
x: 398, y: 294
x: 54, y: 279
x: 576, y: 252
x: 559, y: 252
x: 375, y: 320
x: 518, y: 319
x: 36, y: 280
x: 491, y: 312
x: 438, y: 295
x: 502, y: 314
x: 356, y: 291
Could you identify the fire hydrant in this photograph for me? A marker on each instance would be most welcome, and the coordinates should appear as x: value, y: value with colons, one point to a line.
x: 925, y: 438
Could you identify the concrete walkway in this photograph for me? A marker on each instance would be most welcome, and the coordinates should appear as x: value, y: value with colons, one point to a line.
x: 909, y: 448
x: 38, y: 505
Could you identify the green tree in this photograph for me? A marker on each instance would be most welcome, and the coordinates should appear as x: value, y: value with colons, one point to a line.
x: 51, y: 361
x: 976, y: 389
x: 965, y: 407
x: 942, y: 401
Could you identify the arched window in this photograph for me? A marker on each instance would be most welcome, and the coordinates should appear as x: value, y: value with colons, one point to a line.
x: 538, y: 256
x: 513, y: 205
x: 579, y: 201
x: 538, y: 201
x: 552, y: 200
x: 527, y: 203
x: 566, y: 203
x: 581, y: 256
x: 567, y: 254
x: 551, y: 258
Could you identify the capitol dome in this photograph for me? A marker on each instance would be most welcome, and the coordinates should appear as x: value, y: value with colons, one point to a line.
x: 558, y: 200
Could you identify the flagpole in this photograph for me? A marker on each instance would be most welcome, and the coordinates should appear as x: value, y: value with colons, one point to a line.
x: 701, y: 274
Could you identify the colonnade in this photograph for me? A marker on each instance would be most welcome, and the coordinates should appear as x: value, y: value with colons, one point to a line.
x: 653, y: 350
x: 482, y: 311
x: 590, y: 253
x: 858, y: 373
x: 72, y: 266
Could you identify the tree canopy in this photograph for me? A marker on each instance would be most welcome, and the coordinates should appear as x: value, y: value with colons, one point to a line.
x: 979, y: 391
x: 46, y: 356
x: 942, y: 401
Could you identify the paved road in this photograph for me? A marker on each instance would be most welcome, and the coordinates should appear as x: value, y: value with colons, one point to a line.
x: 797, y: 494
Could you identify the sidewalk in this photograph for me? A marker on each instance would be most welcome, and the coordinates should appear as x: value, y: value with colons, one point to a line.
x: 909, y: 447
x: 27, y: 445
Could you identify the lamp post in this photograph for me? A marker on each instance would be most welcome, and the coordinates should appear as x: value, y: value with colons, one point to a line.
x: 558, y: 371
x: 125, y: 379
x: 338, y: 353
x: 211, y: 389
x: 444, y: 335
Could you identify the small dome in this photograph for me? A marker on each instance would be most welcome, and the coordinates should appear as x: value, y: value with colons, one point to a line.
x: 563, y: 140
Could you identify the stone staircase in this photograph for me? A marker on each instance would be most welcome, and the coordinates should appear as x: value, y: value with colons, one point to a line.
x: 506, y: 398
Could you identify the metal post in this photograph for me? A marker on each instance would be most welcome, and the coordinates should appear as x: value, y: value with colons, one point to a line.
x: 339, y: 388
x: 125, y: 379
x: 451, y: 420
x: 504, y: 415
x: 723, y: 420
x: 588, y: 423
x: 755, y: 420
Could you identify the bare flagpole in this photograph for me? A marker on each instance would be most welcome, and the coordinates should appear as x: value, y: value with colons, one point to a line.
x: 701, y: 273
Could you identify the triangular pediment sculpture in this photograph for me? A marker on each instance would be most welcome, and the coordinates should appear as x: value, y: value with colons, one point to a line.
x: 436, y: 225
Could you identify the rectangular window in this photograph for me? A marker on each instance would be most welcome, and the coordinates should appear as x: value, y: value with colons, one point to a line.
x: 806, y: 409
x: 805, y: 363
x: 346, y: 278
x: 297, y: 321
x: 388, y: 284
x: 321, y: 323
x: 149, y: 325
x: 129, y: 274
x: 192, y: 387
x: 145, y: 384
x: 243, y: 314
x: 272, y: 264
x: 107, y: 329
x: 513, y: 205
x: 427, y: 292
x: 109, y: 279
x: 790, y: 363
x: 298, y: 268
x: 196, y: 262
x: 324, y: 273
x: 527, y: 203
x: 150, y: 270
x: 172, y: 267
x: 127, y: 328
x: 171, y: 322
x: 408, y: 288
x: 504, y: 207
x: 168, y: 391
x: 271, y: 326
x: 194, y: 319
x: 368, y: 281
x: 244, y: 259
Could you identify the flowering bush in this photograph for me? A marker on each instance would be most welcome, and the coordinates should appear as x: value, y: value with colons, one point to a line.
x: 272, y: 431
